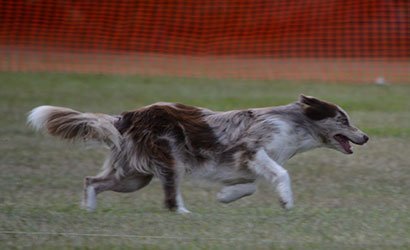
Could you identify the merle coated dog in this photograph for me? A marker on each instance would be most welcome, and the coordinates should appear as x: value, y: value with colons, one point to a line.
x: 170, y: 140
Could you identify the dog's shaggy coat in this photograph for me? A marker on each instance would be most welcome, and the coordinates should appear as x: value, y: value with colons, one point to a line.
x: 169, y: 140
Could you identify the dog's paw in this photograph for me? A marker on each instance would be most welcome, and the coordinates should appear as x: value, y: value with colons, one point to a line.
x: 183, y: 210
x: 89, y: 202
x: 224, y: 196
x: 232, y: 193
x: 84, y: 206
x: 286, y: 204
x: 88, y: 209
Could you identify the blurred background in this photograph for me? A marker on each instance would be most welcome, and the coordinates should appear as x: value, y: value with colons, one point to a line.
x: 352, y: 41
x: 110, y: 56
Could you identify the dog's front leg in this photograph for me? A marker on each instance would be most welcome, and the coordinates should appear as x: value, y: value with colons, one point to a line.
x: 234, y: 192
x: 263, y: 165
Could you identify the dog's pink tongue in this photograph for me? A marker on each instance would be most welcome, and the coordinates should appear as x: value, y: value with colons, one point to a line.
x: 346, y: 146
x: 344, y: 142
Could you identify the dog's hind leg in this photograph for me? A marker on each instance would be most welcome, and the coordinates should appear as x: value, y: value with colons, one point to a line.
x: 234, y: 192
x: 263, y: 165
x: 96, y: 185
x: 173, y: 197
x: 181, y: 206
x: 90, y: 192
x: 131, y: 183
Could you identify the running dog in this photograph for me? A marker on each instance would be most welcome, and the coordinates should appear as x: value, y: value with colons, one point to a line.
x: 170, y: 140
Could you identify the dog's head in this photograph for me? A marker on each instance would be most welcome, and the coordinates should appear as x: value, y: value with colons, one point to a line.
x: 332, y: 124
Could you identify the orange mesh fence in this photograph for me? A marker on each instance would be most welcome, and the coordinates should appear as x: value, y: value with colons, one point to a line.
x: 323, y: 40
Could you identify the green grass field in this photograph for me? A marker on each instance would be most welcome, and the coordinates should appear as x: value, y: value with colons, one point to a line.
x: 360, y: 201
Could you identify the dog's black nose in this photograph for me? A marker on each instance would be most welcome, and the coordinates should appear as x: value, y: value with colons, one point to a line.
x: 365, y: 138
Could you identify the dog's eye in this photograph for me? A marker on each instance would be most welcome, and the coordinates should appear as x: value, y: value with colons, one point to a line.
x: 344, y: 121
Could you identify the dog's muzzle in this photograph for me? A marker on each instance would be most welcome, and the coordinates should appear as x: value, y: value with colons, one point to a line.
x: 344, y: 141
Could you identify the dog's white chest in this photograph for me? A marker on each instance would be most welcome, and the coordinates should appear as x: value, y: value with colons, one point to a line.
x: 287, y: 142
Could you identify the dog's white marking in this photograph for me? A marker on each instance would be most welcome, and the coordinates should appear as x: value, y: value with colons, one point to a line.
x: 287, y: 142
x: 91, y: 202
x: 264, y: 166
x: 38, y: 117
x: 181, y: 209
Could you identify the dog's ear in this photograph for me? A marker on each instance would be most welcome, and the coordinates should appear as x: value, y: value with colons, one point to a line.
x: 316, y: 109
x: 308, y: 100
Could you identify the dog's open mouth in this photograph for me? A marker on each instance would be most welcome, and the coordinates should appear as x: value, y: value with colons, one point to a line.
x: 344, y: 142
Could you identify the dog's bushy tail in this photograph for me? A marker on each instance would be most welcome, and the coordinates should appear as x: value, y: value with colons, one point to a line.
x: 73, y: 125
